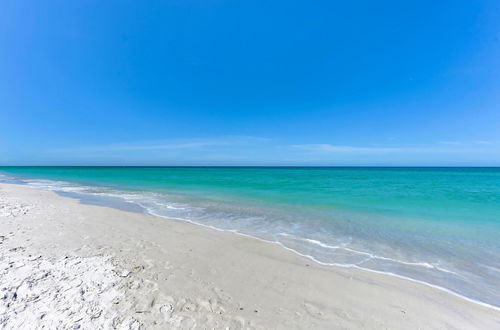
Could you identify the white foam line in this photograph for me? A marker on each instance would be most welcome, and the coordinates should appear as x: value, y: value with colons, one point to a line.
x: 68, y: 187
x: 392, y: 274
x: 483, y: 304
x: 370, y: 255
x: 338, y: 265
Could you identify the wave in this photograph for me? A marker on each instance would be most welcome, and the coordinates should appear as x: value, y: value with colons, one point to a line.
x: 370, y: 255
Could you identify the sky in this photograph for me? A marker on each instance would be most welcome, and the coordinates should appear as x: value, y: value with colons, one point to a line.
x: 186, y: 82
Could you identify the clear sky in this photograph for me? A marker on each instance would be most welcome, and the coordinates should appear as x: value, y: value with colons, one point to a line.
x: 250, y: 82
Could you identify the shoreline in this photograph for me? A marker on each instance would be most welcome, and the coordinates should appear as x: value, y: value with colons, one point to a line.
x: 414, y: 260
x: 85, y: 200
x: 478, y: 302
x: 326, y: 301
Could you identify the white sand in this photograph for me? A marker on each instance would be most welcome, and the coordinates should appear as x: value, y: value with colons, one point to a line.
x: 64, y: 265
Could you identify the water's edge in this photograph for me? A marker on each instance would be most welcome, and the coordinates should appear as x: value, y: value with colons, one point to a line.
x: 127, y: 206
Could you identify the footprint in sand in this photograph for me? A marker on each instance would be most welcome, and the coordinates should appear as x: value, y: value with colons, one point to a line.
x: 222, y: 295
x: 17, y: 249
x: 204, y: 304
x: 144, y: 304
x: 134, y: 284
x: 189, y: 306
x: 314, y: 311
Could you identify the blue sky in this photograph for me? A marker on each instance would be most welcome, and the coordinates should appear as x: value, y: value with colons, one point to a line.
x: 250, y: 82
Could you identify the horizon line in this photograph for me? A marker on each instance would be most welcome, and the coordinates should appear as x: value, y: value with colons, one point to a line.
x: 265, y: 166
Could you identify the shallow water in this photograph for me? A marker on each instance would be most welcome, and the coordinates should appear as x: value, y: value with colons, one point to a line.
x: 436, y: 225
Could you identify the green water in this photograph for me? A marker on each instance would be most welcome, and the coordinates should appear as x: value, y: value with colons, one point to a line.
x: 436, y: 225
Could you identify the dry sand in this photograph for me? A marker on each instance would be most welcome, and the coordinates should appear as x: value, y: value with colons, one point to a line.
x: 64, y: 265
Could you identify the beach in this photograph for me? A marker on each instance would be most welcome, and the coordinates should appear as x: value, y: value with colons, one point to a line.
x: 249, y: 165
x: 69, y: 265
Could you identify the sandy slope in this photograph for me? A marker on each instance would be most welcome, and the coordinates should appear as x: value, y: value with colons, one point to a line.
x: 71, y: 266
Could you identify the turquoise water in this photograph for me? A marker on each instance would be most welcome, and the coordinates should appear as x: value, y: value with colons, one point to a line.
x: 436, y: 225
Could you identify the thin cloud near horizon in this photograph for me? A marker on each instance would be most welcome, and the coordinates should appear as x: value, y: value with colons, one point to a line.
x: 437, y: 148
x: 266, y: 143
x: 169, y: 144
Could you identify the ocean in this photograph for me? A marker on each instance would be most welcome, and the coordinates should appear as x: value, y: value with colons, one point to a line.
x: 439, y: 226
